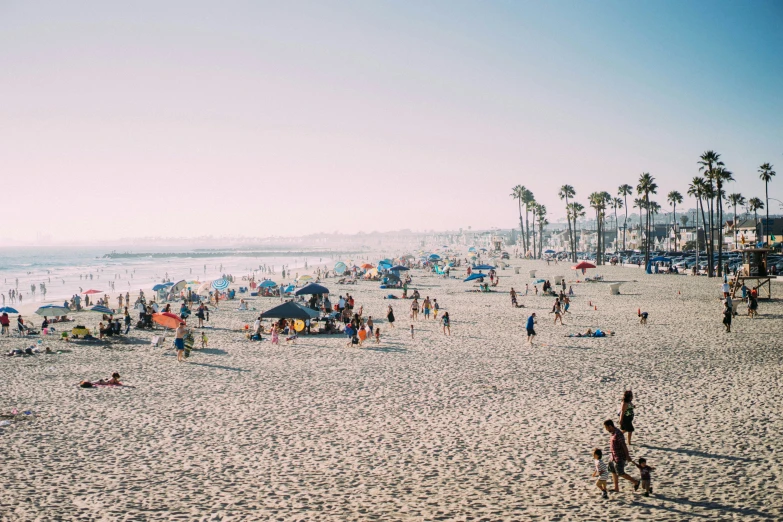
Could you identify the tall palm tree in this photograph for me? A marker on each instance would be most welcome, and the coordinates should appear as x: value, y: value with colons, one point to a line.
x: 721, y: 176
x: 575, y: 211
x: 754, y: 205
x: 566, y: 192
x: 641, y: 205
x: 696, y: 190
x: 517, y: 192
x: 735, y: 200
x: 674, y: 198
x: 528, y: 200
x: 654, y: 210
x: 646, y: 187
x: 766, y: 174
x: 596, y: 202
x: 533, y: 209
x: 709, y: 161
x: 617, y: 203
x: 624, y: 191
x: 540, y: 213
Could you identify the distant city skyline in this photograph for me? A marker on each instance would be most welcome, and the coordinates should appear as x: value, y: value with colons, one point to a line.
x: 261, y: 118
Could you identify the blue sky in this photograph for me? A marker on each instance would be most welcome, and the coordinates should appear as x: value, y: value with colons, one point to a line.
x: 389, y: 115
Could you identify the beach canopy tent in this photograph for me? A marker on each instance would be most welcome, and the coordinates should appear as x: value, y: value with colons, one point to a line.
x: 312, y: 289
x: 473, y: 277
x: 8, y: 310
x: 290, y: 310
x: 268, y: 284
x: 483, y: 267
x: 340, y: 268
x: 102, y: 310
x: 90, y: 292
x: 167, y: 319
x: 220, y: 284
x: 52, y: 311
x: 581, y: 265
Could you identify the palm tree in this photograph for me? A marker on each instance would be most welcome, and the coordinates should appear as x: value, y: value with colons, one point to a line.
x: 736, y: 199
x: 575, y: 211
x: 766, y: 174
x: 617, y: 203
x: 721, y: 176
x: 596, y: 201
x: 709, y: 161
x: 646, y: 187
x: 624, y: 191
x: 566, y: 192
x: 754, y: 205
x: 540, y: 212
x: 517, y: 193
x: 674, y: 198
x: 533, y: 209
x: 528, y: 199
x: 654, y: 210
x: 696, y: 190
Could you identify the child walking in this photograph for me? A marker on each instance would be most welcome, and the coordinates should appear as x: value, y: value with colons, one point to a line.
x: 377, y: 336
x: 601, y: 472
x: 645, y: 470
x: 411, y: 331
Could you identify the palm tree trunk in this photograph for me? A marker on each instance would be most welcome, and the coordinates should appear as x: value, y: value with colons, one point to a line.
x: 534, y: 235
x: 527, y: 229
x: 704, y: 226
x: 764, y: 231
x: 711, y: 243
x: 625, y: 223
x: 720, y: 233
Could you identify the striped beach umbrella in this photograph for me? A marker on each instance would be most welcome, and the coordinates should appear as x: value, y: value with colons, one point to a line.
x: 220, y: 284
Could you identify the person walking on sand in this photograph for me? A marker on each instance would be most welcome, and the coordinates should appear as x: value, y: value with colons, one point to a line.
x: 620, y: 456
x: 390, y: 316
x: 601, y: 472
x: 513, y: 295
x: 412, y: 337
x: 179, y: 342
x: 530, y: 327
x: 446, y: 324
x: 727, y: 313
x: 415, y: 309
x: 627, y: 414
x: 558, y: 312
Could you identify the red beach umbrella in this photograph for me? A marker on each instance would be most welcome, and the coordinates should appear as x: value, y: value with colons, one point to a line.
x: 90, y: 292
x: 167, y: 319
x: 582, y: 265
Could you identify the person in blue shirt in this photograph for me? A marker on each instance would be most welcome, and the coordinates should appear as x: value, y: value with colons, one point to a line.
x: 531, y: 332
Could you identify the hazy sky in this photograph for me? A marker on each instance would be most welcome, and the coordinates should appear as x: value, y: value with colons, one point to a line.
x: 259, y: 118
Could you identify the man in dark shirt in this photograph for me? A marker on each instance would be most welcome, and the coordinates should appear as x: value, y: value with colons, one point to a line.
x: 620, y: 456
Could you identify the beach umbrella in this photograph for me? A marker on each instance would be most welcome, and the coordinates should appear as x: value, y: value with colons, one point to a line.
x: 582, y: 265
x: 194, y: 282
x: 312, y: 289
x: 305, y: 278
x: 102, y: 310
x: 367, y: 266
x: 168, y: 283
x: 220, y: 284
x: 549, y: 251
x: 52, y: 311
x: 178, y: 286
x: 657, y: 259
x: 8, y: 310
x: 340, y: 267
x: 288, y: 289
x: 539, y: 281
x: 472, y: 249
x: 397, y: 268
x: 434, y: 257
x: 158, y: 287
x: 290, y: 310
x: 484, y: 267
x: 473, y: 277
x: 167, y: 319
x: 90, y: 292
x: 268, y: 284
x: 204, y: 288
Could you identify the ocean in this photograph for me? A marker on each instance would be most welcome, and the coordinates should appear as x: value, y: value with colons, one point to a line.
x: 66, y: 271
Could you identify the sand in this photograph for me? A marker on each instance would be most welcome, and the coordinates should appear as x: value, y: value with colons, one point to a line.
x: 476, y: 426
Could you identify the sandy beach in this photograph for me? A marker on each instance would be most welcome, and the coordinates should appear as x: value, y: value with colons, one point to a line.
x: 472, y: 426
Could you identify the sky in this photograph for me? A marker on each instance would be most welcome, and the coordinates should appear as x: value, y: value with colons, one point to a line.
x: 191, y: 118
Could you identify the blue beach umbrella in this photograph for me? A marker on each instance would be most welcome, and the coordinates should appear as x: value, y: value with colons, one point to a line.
x: 539, y: 281
x: 102, y: 310
x: 52, y: 310
x: 484, y: 267
x: 473, y: 277
x: 268, y: 284
x: 220, y: 284
x: 159, y: 286
x: 340, y: 268
x: 549, y: 251
x: 397, y: 268
x: 8, y: 310
x: 312, y: 289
